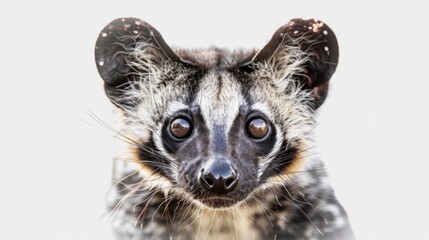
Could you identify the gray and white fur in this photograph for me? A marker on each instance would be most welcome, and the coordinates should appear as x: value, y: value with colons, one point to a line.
x: 218, y: 144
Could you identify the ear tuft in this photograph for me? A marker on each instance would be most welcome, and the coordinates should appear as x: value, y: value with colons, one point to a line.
x: 317, y: 42
x: 127, y: 51
x: 117, y: 39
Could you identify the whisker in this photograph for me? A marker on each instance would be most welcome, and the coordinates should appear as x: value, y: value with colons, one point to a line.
x: 118, y: 134
x: 122, y: 201
x: 143, y: 212
x: 306, y: 215
x: 211, y: 225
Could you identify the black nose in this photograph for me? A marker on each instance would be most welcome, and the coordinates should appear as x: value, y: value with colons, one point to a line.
x: 218, y: 177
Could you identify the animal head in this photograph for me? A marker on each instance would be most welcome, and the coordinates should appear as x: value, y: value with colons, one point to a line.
x: 211, y: 124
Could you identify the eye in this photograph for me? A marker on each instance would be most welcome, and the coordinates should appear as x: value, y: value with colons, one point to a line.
x: 257, y: 128
x: 180, y: 128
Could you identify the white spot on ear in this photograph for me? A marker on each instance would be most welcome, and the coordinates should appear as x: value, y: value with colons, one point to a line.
x: 135, y: 32
x: 291, y: 23
x: 123, y: 19
x: 309, y: 28
x: 296, y: 32
x: 325, y: 32
x: 104, y: 34
x: 317, y: 26
x: 101, y: 63
x: 282, y: 34
x: 327, y: 50
x: 127, y: 25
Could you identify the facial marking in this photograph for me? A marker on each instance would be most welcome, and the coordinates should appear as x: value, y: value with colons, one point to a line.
x: 219, y: 99
x: 220, y: 142
x: 175, y: 107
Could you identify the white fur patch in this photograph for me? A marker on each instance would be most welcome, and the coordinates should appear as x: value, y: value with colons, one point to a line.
x: 219, y: 105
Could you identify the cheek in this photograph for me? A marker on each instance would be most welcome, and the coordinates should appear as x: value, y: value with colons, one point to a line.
x: 190, y: 157
x: 188, y: 174
x: 246, y: 156
x: 242, y: 146
x: 248, y: 167
x: 191, y: 150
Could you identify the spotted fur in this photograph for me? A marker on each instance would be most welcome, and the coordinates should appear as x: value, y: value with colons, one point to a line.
x: 281, y: 188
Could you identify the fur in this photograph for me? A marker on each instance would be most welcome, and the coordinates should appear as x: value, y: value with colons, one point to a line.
x: 283, y: 190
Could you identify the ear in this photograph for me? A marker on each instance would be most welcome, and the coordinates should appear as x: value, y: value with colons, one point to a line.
x: 126, y: 49
x: 312, y: 47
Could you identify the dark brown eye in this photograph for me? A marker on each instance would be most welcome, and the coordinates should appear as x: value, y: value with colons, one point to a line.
x: 180, y: 128
x: 257, y: 128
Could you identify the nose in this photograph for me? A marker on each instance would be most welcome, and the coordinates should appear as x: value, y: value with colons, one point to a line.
x: 219, y: 177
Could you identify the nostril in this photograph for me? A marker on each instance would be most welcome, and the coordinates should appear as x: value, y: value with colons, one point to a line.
x: 209, y: 181
x: 231, y: 182
x: 206, y: 180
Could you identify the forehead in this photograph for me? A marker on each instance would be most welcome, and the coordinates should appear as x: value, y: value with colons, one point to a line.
x: 219, y: 98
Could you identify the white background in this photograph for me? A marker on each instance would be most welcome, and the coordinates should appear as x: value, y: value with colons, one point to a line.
x: 56, y: 160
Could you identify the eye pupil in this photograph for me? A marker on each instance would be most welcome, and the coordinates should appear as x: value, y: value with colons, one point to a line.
x: 257, y: 128
x: 180, y: 128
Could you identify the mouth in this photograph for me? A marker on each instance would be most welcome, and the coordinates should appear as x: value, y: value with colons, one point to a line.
x: 218, y: 201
